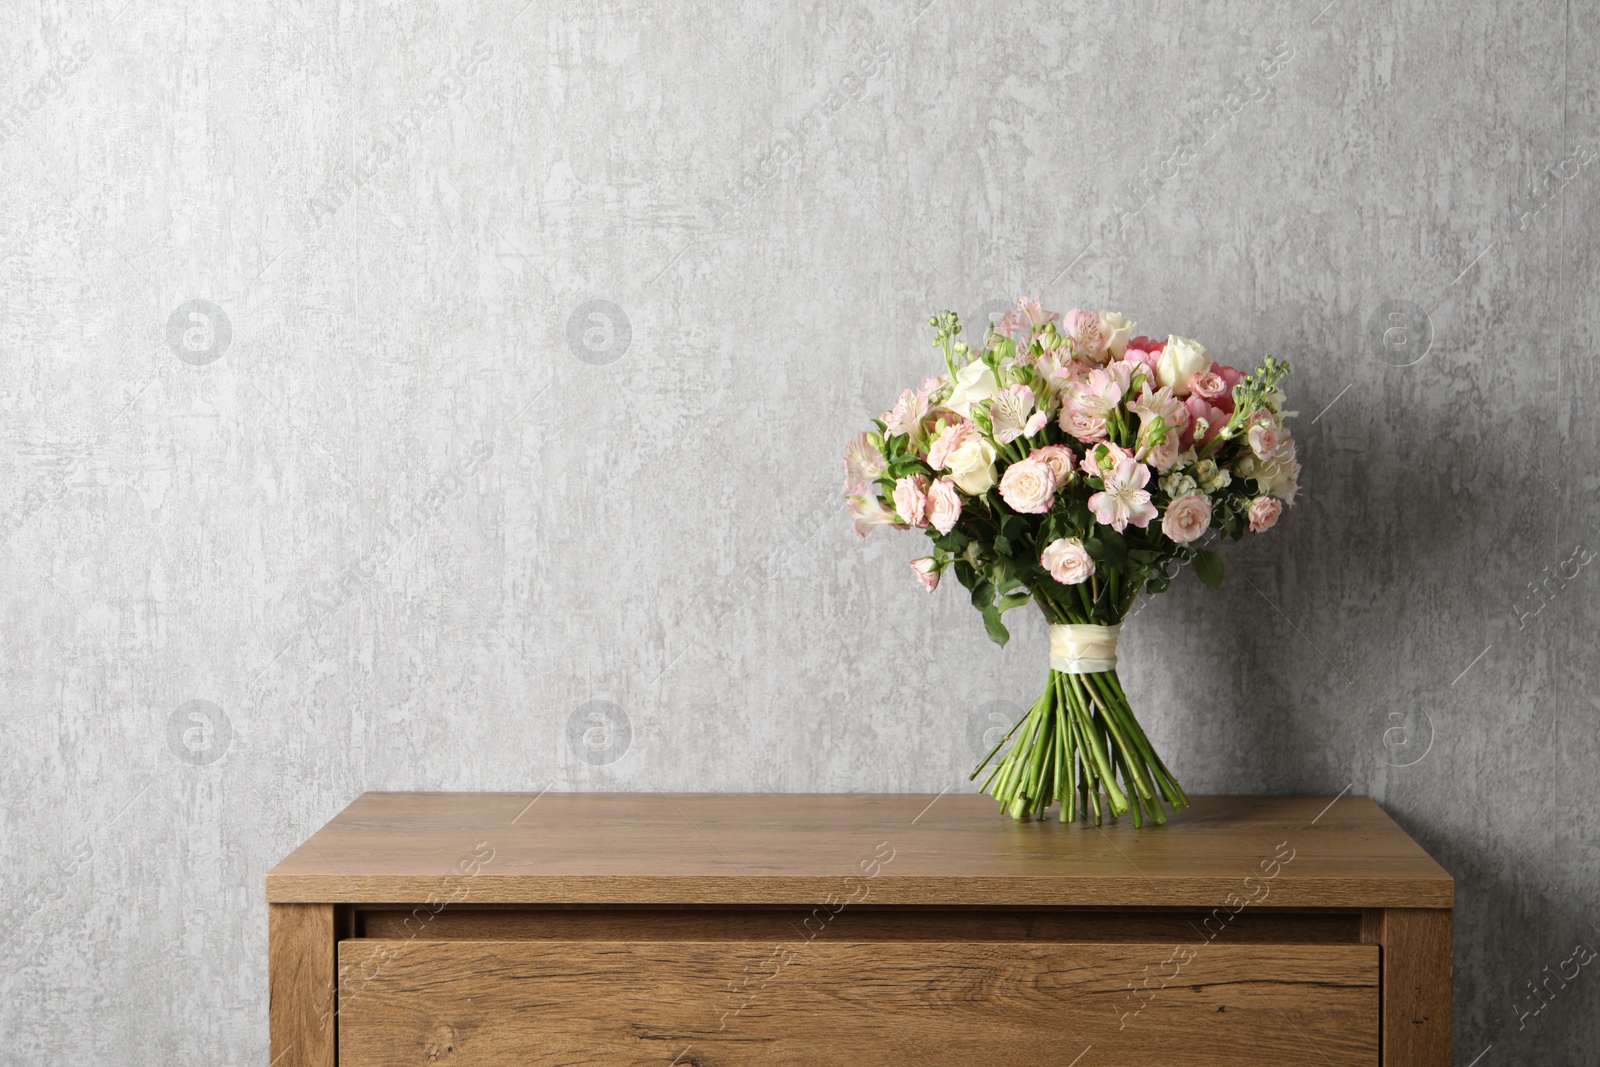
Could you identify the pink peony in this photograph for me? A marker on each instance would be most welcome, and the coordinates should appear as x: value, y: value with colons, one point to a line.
x: 1264, y: 512
x: 927, y: 572
x: 910, y: 499
x: 868, y: 511
x: 947, y: 442
x: 1058, y: 458
x: 1124, y: 499
x: 944, y: 505
x: 1204, y: 422
x: 1187, y: 518
x: 1067, y: 561
x: 1029, y: 487
x: 862, y: 465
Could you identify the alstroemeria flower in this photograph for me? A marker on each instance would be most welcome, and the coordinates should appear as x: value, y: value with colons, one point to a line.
x: 1124, y: 499
x: 1025, y: 318
x: 907, y: 414
x: 1087, y: 334
x: 868, y: 511
x: 1096, y: 395
x: 862, y: 465
x: 1008, y: 412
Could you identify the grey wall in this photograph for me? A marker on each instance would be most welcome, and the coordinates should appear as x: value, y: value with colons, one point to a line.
x: 399, y: 505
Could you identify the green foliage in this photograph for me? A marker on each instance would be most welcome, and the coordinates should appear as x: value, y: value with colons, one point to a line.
x: 1208, y: 567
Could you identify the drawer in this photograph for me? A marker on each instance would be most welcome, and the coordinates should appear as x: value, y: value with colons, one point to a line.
x: 829, y: 1003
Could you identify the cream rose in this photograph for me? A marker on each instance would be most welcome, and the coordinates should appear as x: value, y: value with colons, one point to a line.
x: 971, y: 465
x: 1029, y: 487
x: 1067, y: 561
x: 974, y: 382
x: 1116, y: 329
x: 1179, y: 362
x: 1187, y: 518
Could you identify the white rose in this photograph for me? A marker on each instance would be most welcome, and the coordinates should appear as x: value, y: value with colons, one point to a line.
x: 972, y: 466
x: 1116, y: 328
x: 974, y: 382
x: 1179, y: 362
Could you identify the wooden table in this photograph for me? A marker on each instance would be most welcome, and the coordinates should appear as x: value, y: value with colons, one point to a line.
x: 727, y: 929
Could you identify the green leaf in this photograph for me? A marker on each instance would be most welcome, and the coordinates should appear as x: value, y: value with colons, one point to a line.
x: 997, y: 629
x: 1002, y: 545
x: 1013, y: 600
x: 1158, y: 584
x: 1208, y: 567
x: 983, y: 594
x: 965, y: 574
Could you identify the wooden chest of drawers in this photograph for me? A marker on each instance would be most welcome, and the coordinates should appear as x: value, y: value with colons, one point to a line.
x: 781, y: 930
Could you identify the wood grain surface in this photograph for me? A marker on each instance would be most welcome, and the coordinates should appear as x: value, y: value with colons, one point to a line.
x: 1416, y: 987
x: 476, y: 1004
x: 300, y: 964
x: 655, y: 848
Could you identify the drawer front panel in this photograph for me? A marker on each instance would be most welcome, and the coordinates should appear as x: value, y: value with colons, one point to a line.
x: 821, y: 1004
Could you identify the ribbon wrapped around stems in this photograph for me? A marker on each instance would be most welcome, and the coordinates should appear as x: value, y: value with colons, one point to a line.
x: 1083, y: 649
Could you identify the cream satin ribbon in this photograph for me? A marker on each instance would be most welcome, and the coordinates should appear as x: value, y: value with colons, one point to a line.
x: 1076, y: 649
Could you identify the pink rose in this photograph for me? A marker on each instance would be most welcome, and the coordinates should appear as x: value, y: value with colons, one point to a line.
x: 1058, y: 458
x: 1264, y: 512
x: 1067, y: 561
x: 1085, y: 428
x: 1187, y: 518
x: 1114, y: 455
x: 1265, y: 436
x: 1163, y: 456
x: 947, y: 442
x: 1029, y: 487
x: 1208, y: 384
x: 910, y: 499
x: 927, y: 572
x: 944, y: 505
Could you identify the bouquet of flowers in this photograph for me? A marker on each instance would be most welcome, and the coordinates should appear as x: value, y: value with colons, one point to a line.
x: 1071, y: 463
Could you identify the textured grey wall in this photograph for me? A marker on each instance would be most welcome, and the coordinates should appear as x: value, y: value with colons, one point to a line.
x: 501, y: 449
